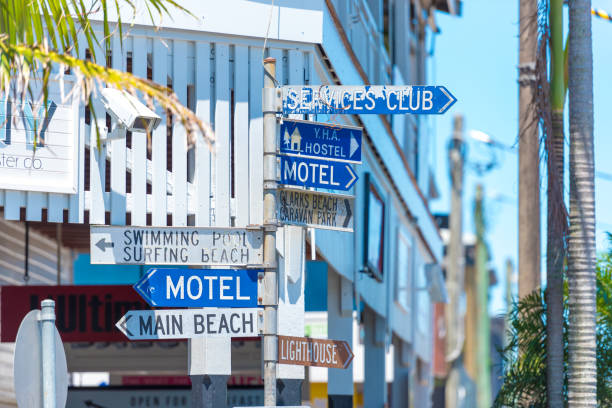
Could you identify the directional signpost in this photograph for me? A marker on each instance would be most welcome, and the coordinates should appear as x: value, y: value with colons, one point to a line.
x: 321, y: 140
x: 315, y: 209
x: 212, y: 246
x: 314, y: 352
x: 189, y: 323
x: 166, y: 287
x: 297, y: 171
x: 360, y: 99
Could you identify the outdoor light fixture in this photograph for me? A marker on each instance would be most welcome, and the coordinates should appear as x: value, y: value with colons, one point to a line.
x: 129, y: 112
x: 480, y: 136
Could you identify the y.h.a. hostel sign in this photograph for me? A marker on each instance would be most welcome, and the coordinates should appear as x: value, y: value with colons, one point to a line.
x: 38, y: 144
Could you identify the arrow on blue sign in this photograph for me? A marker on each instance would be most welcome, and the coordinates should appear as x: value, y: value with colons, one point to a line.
x: 167, y: 287
x: 300, y: 171
x: 321, y: 140
x: 363, y: 99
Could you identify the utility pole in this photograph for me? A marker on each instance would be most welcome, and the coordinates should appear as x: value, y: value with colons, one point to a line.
x: 509, y: 288
x: 529, y: 153
x: 455, y: 261
x: 270, y: 296
x: 483, y: 329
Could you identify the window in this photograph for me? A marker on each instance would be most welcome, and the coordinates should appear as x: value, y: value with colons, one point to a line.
x: 388, y: 34
x: 423, y: 305
x: 403, y: 270
x: 374, y: 230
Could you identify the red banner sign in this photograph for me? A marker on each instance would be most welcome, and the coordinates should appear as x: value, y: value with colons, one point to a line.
x: 83, y: 313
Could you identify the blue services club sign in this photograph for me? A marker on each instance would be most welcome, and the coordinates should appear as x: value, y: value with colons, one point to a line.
x: 376, y: 99
x: 321, y: 140
x: 172, y: 287
x: 305, y: 172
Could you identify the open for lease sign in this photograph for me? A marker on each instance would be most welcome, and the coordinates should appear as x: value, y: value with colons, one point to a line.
x: 212, y: 246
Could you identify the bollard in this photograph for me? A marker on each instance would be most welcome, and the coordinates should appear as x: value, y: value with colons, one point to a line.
x: 47, y: 323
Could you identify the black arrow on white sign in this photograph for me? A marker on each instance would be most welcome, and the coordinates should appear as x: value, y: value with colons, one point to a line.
x: 348, y: 213
x: 123, y: 325
x: 102, y: 244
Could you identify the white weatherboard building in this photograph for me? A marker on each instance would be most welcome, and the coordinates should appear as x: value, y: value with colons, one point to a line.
x: 378, y: 278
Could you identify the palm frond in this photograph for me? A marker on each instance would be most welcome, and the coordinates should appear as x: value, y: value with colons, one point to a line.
x: 524, y: 357
x: 40, y: 35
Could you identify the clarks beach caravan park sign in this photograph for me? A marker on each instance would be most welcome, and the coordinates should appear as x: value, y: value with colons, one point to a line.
x: 38, y: 145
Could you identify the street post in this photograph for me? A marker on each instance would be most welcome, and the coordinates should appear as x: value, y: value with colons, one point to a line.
x: 270, y: 295
x: 47, y: 319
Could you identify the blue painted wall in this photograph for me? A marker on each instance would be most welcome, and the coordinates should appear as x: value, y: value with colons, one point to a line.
x: 87, y: 274
x: 315, y: 296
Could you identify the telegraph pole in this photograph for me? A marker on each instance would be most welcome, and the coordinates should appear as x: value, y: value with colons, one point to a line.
x: 270, y: 295
x: 529, y: 153
x: 455, y: 258
x: 483, y: 329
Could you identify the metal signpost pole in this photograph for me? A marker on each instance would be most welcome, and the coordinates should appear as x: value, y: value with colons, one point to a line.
x: 47, y: 319
x: 270, y: 295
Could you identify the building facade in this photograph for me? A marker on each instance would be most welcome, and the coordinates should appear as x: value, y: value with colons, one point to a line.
x: 381, y: 281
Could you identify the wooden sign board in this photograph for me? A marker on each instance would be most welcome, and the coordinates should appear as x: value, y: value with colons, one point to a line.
x: 189, y: 323
x: 314, y: 352
x: 210, y: 246
x: 315, y: 209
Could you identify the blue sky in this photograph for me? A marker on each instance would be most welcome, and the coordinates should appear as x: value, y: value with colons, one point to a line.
x: 476, y: 57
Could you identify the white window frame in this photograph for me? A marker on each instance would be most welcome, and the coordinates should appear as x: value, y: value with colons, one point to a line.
x: 404, y: 270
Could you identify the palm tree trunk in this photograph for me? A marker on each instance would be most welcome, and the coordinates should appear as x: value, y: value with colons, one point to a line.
x: 555, y: 254
x: 557, y: 216
x: 582, y: 370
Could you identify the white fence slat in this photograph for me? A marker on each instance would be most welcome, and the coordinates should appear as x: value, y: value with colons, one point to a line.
x: 139, y: 143
x: 158, y: 188
x: 312, y: 76
x: 117, y: 182
x: 255, y: 137
x: 13, y: 202
x: 118, y: 153
x: 222, y: 131
x: 77, y: 201
x: 203, y: 153
x: 57, y: 203
x: 179, y: 141
x: 97, y: 157
x: 277, y: 54
x: 296, y: 71
x: 97, y: 166
x: 34, y: 204
x: 55, y: 206
x: 241, y: 134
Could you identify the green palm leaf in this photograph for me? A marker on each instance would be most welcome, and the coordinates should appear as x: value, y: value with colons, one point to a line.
x: 38, y: 35
x: 525, y: 354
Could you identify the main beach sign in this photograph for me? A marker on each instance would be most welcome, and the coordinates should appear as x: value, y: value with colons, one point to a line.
x: 38, y: 145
